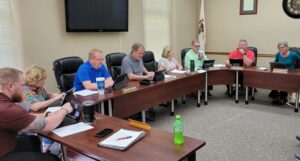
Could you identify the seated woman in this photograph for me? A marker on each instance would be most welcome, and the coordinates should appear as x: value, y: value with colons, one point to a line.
x: 168, y: 62
x: 35, y: 97
x: 288, y: 58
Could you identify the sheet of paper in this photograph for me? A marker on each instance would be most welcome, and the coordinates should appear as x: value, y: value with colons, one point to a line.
x: 53, y: 109
x: 201, y: 71
x: 85, y: 92
x: 219, y: 65
x: 72, y: 129
x: 169, y: 76
x: 262, y: 68
x: 175, y: 71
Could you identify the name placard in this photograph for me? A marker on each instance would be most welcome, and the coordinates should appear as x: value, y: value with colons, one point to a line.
x: 282, y: 71
x: 128, y: 89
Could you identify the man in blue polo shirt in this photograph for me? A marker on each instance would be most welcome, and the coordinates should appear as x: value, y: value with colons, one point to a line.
x: 90, y: 70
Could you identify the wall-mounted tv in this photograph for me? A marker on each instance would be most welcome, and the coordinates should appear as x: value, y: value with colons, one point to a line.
x: 96, y: 15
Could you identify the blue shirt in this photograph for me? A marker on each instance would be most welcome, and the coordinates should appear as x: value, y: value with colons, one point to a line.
x: 289, y: 61
x: 87, y: 72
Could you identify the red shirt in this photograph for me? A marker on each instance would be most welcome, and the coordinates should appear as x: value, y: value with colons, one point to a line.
x: 13, y: 118
x: 235, y: 54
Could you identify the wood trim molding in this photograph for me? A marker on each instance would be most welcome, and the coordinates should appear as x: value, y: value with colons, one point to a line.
x: 226, y: 53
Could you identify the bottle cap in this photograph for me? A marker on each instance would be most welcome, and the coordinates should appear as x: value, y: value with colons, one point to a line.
x: 178, y: 117
x: 100, y: 79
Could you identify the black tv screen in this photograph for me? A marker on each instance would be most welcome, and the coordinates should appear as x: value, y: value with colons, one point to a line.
x: 96, y: 15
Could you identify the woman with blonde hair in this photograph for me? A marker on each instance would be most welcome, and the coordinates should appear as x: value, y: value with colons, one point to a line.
x: 168, y: 62
x: 35, y: 97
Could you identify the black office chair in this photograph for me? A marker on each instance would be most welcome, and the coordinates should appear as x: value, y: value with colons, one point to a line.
x: 254, y: 49
x: 297, y: 50
x: 183, y: 52
x: 65, y: 70
x: 114, y: 63
x: 149, y: 61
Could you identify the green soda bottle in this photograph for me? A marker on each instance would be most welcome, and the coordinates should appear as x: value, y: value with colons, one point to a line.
x: 178, y: 130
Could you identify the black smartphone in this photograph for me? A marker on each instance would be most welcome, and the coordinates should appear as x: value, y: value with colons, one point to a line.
x: 104, y: 132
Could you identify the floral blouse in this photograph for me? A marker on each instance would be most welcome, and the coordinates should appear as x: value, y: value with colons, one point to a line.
x: 31, y: 96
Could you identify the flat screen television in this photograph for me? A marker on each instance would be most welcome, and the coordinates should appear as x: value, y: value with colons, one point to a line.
x: 96, y: 15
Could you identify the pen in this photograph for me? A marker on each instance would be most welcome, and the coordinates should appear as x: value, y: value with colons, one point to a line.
x: 127, y: 137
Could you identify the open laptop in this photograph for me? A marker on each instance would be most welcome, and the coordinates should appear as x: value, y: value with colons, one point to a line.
x: 159, y: 75
x: 277, y: 65
x: 74, y: 116
x: 120, y: 82
x: 208, y: 63
x: 236, y: 62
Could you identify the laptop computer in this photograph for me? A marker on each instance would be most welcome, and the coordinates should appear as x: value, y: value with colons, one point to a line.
x: 277, y: 65
x: 208, y: 63
x: 236, y: 62
x: 159, y: 75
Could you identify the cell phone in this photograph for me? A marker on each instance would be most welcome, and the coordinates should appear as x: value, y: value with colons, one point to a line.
x: 104, y: 132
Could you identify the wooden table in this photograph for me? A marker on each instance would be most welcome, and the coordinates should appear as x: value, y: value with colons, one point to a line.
x: 156, y: 145
x: 289, y: 82
x: 147, y: 96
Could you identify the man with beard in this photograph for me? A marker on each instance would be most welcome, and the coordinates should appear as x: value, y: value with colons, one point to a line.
x: 14, y: 119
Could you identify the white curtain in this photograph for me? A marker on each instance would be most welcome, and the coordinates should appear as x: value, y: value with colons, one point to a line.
x: 157, y: 25
x: 8, y: 55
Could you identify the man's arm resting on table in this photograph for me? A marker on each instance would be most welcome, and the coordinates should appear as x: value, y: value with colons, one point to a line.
x: 90, y: 86
x: 46, y: 124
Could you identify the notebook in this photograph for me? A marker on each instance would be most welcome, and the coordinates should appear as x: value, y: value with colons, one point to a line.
x: 122, y: 139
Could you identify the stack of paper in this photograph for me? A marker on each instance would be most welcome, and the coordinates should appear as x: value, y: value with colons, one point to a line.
x: 122, y: 139
x: 85, y: 92
x: 262, y: 68
x: 201, y: 71
x: 175, y: 71
x: 219, y: 65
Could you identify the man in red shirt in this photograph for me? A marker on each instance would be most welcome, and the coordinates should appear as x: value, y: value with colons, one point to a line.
x: 242, y: 52
x: 14, y: 119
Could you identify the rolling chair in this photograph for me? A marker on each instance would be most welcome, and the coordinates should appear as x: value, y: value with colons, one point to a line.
x: 114, y: 63
x: 297, y: 50
x: 183, y: 52
x: 65, y: 70
x: 149, y: 61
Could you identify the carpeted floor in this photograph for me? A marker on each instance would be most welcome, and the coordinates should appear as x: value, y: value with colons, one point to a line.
x: 258, y: 131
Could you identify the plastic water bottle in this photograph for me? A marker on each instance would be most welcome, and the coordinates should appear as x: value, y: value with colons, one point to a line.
x: 178, y: 130
x: 100, y: 85
x: 192, y: 65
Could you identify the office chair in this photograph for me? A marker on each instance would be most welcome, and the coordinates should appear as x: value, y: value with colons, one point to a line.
x: 297, y: 50
x: 149, y: 61
x: 183, y: 52
x: 65, y: 70
x: 254, y: 49
x: 114, y: 64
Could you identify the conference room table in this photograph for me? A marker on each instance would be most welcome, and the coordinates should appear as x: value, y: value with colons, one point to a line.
x: 141, y: 97
x: 266, y: 79
x: 156, y: 145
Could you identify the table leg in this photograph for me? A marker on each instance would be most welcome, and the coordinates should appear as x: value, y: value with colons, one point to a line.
x: 144, y: 116
x: 109, y: 108
x: 102, y: 108
x: 297, y: 102
x: 183, y: 100
x: 172, y: 108
x: 206, y: 89
x: 252, y: 94
x: 230, y: 90
x: 246, y: 99
x: 199, y: 98
x: 192, y: 157
x: 64, y: 152
x: 237, y: 87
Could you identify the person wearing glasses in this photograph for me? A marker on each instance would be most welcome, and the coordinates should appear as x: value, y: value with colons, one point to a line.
x: 194, y: 54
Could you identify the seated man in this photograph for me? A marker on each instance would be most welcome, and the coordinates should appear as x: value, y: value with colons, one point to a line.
x: 14, y: 119
x: 194, y: 54
x: 90, y: 70
x: 242, y: 52
x: 198, y: 56
x: 133, y: 66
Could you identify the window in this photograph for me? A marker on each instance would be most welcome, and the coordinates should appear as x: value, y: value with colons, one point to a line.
x: 157, y: 28
x: 8, y: 54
